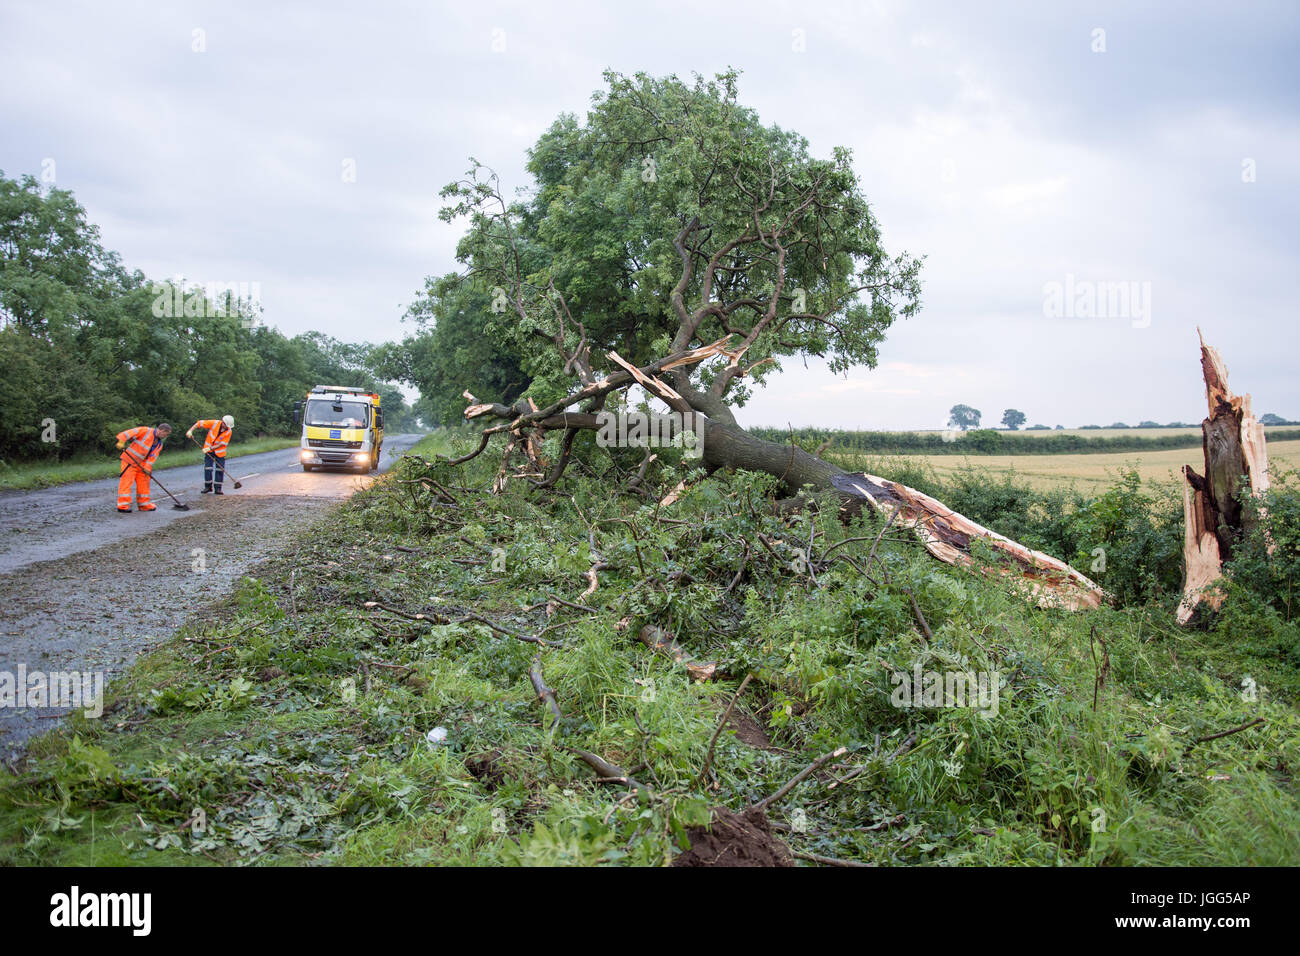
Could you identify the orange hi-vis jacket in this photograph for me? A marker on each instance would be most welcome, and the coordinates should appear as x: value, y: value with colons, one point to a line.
x: 218, y: 435
x: 145, y: 446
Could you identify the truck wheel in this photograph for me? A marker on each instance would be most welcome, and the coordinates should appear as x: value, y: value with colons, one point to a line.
x: 308, y: 467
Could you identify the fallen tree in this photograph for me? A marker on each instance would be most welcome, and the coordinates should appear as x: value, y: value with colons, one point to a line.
x: 1236, y: 464
x: 771, y: 253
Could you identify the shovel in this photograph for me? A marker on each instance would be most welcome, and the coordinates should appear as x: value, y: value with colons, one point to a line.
x: 238, y: 481
x: 179, y: 505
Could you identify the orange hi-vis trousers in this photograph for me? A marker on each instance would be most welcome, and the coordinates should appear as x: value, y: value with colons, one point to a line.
x: 142, y: 450
x: 133, y: 474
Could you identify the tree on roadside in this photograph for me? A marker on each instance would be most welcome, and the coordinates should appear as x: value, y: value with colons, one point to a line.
x: 676, y: 231
x: 1013, y: 418
x: 675, y: 243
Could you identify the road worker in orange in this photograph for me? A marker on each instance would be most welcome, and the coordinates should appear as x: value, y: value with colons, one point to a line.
x: 137, y: 464
x: 214, y: 450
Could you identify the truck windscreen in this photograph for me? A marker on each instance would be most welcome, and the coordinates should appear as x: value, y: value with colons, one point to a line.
x: 324, y: 413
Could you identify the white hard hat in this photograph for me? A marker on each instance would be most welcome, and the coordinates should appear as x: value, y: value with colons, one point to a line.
x: 229, y: 421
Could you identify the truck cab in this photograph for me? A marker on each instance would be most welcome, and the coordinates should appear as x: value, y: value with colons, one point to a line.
x: 342, y: 427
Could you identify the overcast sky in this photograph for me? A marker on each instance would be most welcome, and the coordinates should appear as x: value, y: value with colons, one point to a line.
x: 1015, y: 146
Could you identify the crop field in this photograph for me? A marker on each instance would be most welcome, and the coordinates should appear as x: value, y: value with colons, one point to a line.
x: 1104, y: 432
x: 1085, y: 471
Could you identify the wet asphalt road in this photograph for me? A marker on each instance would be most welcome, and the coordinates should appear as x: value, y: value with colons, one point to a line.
x: 55, y: 522
x: 85, y: 589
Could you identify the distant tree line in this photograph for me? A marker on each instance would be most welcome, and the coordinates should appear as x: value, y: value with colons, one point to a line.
x: 981, y: 441
x: 88, y: 347
x: 966, y: 417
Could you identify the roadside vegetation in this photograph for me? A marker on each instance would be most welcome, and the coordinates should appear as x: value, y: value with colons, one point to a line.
x: 87, y: 467
x: 426, y: 677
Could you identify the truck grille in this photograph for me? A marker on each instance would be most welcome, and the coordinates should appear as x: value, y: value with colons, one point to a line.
x: 332, y: 443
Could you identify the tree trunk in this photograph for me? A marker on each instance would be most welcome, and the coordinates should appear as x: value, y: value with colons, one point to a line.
x: 1236, y: 462
x: 729, y: 446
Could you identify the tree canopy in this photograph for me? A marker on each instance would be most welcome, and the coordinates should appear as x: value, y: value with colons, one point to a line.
x: 672, y: 216
x: 453, y: 351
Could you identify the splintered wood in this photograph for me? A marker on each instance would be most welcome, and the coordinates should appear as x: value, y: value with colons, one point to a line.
x: 703, y: 353
x: 1236, y: 459
x: 649, y: 383
x: 948, y: 536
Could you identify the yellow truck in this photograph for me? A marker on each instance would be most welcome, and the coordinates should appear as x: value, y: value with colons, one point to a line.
x: 341, y: 428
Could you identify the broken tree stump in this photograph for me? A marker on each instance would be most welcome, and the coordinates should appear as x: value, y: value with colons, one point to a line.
x: 1236, y: 461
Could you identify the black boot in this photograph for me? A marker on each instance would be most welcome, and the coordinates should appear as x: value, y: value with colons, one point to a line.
x: 207, y: 490
x: 217, y: 490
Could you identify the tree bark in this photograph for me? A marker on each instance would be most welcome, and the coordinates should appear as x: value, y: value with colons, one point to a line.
x: 948, y: 536
x: 730, y: 447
